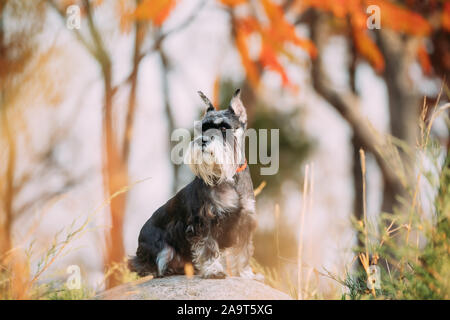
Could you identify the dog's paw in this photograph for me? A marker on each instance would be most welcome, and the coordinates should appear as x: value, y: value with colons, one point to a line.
x: 259, y: 277
x: 247, y: 273
x: 217, y: 275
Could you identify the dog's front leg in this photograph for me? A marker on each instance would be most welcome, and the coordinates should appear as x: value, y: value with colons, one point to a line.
x: 239, y: 259
x: 241, y: 253
x: 206, y: 257
x: 239, y: 262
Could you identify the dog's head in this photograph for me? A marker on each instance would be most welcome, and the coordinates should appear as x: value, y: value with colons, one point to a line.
x: 217, y: 149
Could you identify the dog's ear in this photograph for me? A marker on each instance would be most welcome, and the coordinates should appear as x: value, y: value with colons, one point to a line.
x: 237, y: 107
x: 208, y: 103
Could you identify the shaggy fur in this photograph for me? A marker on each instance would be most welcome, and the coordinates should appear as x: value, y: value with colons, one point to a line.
x: 213, y: 214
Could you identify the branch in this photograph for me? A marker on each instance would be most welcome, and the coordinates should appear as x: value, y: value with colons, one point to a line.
x: 44, y: 156
x: 102, y: 55
x: 50, y: 195
x: 129, y: 120
x: 157, y: 43
x: 77, y: 33
x: 167, y: 108
x: 137, y: 58
x: 347, y: 106
x: 160, y: 39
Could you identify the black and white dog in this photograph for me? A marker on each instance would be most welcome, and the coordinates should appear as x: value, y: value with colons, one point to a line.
x: 210, y: 222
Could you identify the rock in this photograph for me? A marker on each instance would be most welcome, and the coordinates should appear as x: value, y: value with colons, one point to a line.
x: 195, y: 288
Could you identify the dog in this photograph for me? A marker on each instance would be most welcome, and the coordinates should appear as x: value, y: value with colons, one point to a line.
x: 209, y: 223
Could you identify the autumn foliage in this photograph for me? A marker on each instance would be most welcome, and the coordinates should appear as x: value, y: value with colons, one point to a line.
x: 274, y: 36
x: 272, y: 25
x: 266, y: 37
x: 276, y: 30
x: 154, y: 11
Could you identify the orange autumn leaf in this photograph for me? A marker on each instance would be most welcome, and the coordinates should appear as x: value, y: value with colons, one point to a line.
x: 281, y: 30
x: 155, y: 11
x: 268, y: 59
x: 233, y: 3
x: 358, y: 17
x: 66, y: 3
x: 337, y: 7
x: 307, y: 45
x: 393, y: 16
x: 250, y: 67
x: 446, y: 17
x: 125, y: 12
x: 248, y: 25
x: 368, y: 49
x: 164, y: 13
x: 424, y: 59
x: 216, y: 93
x: 274, y: 12
x: 401, y: 19
x: 274, y: 36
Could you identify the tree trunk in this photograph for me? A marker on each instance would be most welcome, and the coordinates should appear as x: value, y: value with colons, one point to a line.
x: 357, y: 185
x: 404, y: 105
x: 129, y: 120
x: 115, y: 177
x: 115, y: 171
x: 8, y: 188
x: 169, y: 114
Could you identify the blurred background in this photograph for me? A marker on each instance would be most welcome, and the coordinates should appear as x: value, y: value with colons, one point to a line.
x: 91, y: 90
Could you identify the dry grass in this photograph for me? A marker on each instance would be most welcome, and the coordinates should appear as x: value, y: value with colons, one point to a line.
x: 16, y: 280
x: 415, y: 269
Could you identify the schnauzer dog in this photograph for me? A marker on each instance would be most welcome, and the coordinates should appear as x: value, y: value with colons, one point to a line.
x: 209, y: 223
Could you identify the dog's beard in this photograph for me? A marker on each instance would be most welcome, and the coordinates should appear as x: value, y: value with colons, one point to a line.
x: 216, y: 163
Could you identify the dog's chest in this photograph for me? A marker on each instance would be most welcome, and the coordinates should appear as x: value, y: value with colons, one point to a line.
x: 224, y: 200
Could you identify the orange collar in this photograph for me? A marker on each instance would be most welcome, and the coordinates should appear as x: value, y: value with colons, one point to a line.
x: 242, y: 168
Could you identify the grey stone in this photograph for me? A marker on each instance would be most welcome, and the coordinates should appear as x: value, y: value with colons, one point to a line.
x: 195, y: 288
